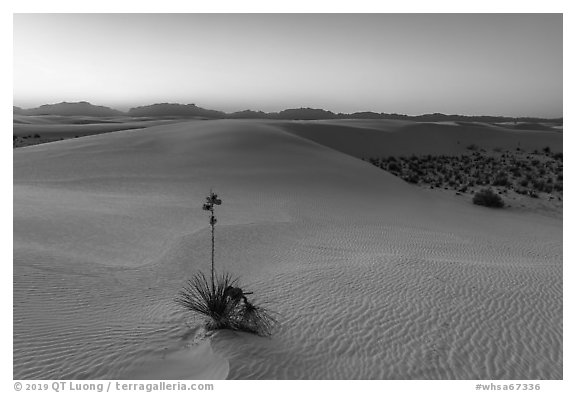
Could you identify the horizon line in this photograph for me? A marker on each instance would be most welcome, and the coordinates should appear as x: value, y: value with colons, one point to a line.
x: 286, y: 109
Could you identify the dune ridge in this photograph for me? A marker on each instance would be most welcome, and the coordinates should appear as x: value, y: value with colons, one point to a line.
x: 368, y: 138
x: 372, y: 278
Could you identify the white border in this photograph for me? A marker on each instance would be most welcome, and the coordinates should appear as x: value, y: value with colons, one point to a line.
x: 304, y: 6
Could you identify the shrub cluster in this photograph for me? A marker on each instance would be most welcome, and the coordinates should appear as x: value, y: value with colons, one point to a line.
x: 487, y: 197
x: 517, y: 171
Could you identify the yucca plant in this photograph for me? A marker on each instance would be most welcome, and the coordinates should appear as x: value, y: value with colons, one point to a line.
x: 257, y: 319
x: 221, y: 301
x: 208, y: 299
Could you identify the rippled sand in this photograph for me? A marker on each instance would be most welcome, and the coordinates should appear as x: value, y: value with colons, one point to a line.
x: 371, y: 277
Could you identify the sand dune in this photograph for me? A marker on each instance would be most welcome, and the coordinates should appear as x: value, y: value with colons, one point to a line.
x: 54, y: 126
x: 372, y: 277
x: 370, y: 138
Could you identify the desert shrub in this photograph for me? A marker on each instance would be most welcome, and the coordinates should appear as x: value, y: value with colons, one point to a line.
x: 501, y: 179
x: 394, y: 167
x: 548, y: 188
x: 539, y: 185
x: 543, y: 186
x: 487, y: 197
x: 224, y: 305
x: 525, y: 181
x: 411, y: 178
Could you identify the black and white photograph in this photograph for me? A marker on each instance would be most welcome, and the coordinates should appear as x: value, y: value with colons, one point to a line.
x: 288, y: 196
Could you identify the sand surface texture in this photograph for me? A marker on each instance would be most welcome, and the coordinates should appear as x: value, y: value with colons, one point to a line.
x: 372, y: 278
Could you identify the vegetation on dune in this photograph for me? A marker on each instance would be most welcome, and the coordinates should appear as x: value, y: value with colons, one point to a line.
x: 224, y: 305
x: 219, y: 299
x: 487, y: 197
x: 538, y: 174
x: 31, y: 140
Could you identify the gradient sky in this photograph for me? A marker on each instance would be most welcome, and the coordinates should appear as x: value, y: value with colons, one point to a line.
x: 496, y: 64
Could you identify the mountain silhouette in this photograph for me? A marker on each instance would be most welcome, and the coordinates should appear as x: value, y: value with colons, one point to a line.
x: 165, y: 109
x: 304, y: 114
x: 249, y: 114
x: 82, y: 108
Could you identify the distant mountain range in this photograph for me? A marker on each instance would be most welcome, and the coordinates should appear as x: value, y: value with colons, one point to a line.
x: 160, y: 110
x: 84, y: 108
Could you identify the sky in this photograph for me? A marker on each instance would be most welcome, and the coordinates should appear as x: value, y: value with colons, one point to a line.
x: 472, y: 64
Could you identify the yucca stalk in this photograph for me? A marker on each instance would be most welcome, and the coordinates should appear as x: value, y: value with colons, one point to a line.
x: 211, y: 201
